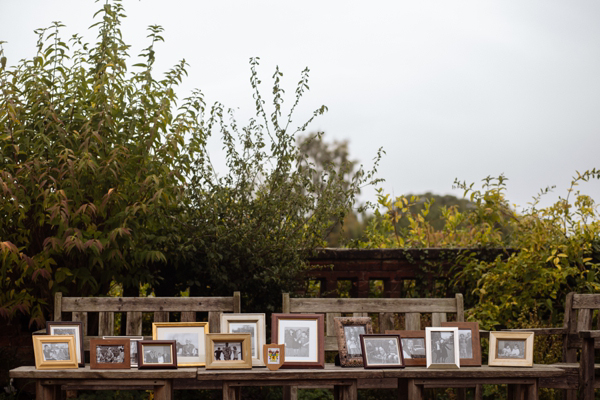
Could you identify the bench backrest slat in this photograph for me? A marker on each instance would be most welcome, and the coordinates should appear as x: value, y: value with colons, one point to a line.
x: 579, y: 315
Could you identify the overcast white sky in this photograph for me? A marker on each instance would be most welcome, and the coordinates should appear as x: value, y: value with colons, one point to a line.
x: 450, y: 89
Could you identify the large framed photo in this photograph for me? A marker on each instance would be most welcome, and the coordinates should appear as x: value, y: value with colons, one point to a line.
x: 159, y: 354
x: 348, y: 331
x: 469, y: 344
x: 74, y: 328
x: 55, y: 352
x: 304, y: 339
x: 442, y: 347
x: 413, y: 347
x: 228, y: 351
x: 190, y: 338
x: 133, y: 347
x: 110, y: 354
x: 382, y: 351
x: 514, y: 349
x: 254, y: 324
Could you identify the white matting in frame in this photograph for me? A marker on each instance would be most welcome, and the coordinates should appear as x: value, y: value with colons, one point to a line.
x: 442, y: 347
x: 190, y: 340
x: 302, y: 331
x: 254, y: 324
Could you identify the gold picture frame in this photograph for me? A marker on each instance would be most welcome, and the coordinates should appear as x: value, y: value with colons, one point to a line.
x: 190, y: 339
x: 518, y: 354
x: 55, y: 352
x: 228, y: 355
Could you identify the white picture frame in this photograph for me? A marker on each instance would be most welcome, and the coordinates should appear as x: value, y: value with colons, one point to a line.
x: 254, y: 324
x: 442, y: 347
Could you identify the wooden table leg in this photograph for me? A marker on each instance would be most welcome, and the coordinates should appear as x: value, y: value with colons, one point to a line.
x: 479, y: 392
x: 586, y: 370
x: 46, y: 392
x: 415, y: 392
x: 164, y: 392
x: 402, y: 389
x: 516, y: 392
x: 532, y: 391
x: 346, y: 392
x: 231, y: 392
x: 290, y: 392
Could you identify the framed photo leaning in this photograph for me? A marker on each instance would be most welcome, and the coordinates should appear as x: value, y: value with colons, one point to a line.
x: 511, y: 349
x: 133, y: 347
x: 348, y: 331
x: 381, y: 351
x: 74, y: 328
x: 190, y: 339
x: 228, y: 351
x: 159, y: 354
x: 254, y: 324
x: 110, y: 354
x: 304, y: 339
x: 55, y: 352
x: 413, y: 347
x: 469, y: 344
x: 442, y: 347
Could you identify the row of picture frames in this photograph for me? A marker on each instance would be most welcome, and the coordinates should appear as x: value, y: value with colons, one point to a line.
x: 298, y: 341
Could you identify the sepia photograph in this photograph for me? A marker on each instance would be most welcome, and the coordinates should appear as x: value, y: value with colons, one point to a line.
x: 110, y: 354
x: 55, y: 351
x: 296, y: 341
x: 157, y: 354
x: 511, y: 349
x: 225, y: 351
x: 413, y: 348
x: 245, y: 328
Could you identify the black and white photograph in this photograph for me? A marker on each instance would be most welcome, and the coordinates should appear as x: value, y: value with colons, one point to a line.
x: 442, y: 347
x: 352, y: 334
x: 64, y: 331
x: 110, y: 354
x: 296, y: 341
x: 189, y: 338
x: 381, y: 351
x: 511, y: 349
x: 56, y: 351
x: 465, y: 343
x: 240, y: 327
x: 72, y: 328
x: 187, y: 343
x: 228, y: 351
x: 413, y: 348
x: 157, y: 354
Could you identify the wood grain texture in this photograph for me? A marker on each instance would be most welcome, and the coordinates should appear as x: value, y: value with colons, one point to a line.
x: 351, y: 305
x: 83, y: 318
x: 188, y: 316
x: 147, y: 304
x: 586, y: 301
x: 134, y: 324
x: 161, y: 316
x: 412, y: 322
x: 75, y: 375
x: 106, y: 324
x: 58, y: 306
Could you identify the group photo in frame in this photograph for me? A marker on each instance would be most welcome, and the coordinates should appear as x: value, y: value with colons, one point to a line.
x: 133, y: 347
x: 189, y: 337
x: 74, y: 328
x: 469, y: 343
x: 304, y: 339
x: 254, y: 324
x: 511, y: 349
x: 442, y: 347
x: 348, y: 331
x: 413, y: 347
x: 228, y: 351
x: 158, y: 354
x: 110, y: 354
x: 382, y: 350
x: 55, y: 352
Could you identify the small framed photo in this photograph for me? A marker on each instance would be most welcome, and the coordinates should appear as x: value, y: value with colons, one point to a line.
x: 442, y: 347
x: 382, y: 351
x: 348, y: 331
x: 133, y: 347
x: 74, y: 328
x: 469, y: 344
x: 110, y: 354
x: 304, y: 339
x: 160, y: 354
x: 254, y: 324
x: 190, y: 338
x: 228, y: 351
x: 514, y: 349
x: 55, y: 352
x: 413, y: 347
x: 273, y: 354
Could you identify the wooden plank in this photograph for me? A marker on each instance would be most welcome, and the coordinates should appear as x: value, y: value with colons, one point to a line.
x: 331, y: 343
x: 586, y: 301
x: 460, y: 307
x: 83, y: 317
x: 45, y: 392
x: 437, y: 319
x: 106, y: 324
x: 346, y: 305
x: 412, y: 322
x: 161, y: 316
x: 58, y: 306
x: 330, y: 324
x: 214, y: 322
x: 237, y: 302
x: 360, y: 314
x: 415, y: 392
x: 134, y: 324
x: 164, y: 392
x: 290, y: 393
x: 587, y: 376
x: 570, y: 325
x: 74, y: 376
x: 584, y: 319
x: 148, y: 304
x: 188, y: 316
x: 285, y: 304
x: 386, y: 322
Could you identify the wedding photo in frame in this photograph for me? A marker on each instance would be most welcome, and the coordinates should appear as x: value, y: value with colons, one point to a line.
x: 254, y: 324
x: 133, y: 347
x: 469, y: 344
x: 304, y: 339
x: 110, y: 354
x: 413, y: 347
x: 228, y: 351
x: 55, y: 352
x: 511, y: 349
x: 348, y: 331
x: 382, y: 351
x: 74, y: 328
x: 441, y: 345
x: 190, y: 339
x: 157, y: 354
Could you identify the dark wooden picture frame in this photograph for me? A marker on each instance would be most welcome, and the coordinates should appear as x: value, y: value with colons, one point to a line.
x: 287, y: 327
x: 414, y: 356
x: 385, y: 348
x: 473, y: 358
x: 146, y: 345
x: 78, y: 326
x: 95, y: 363
x: 348, y: 339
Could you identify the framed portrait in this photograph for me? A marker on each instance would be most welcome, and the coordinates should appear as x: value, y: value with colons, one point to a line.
x: 304, y: 338
x: 55, y: 352
x: 382, y: 351
x: 413, y: 347
x: 190, y: 339
x: 514, y: 349
x: 133, y: 347
x: 254, y: 324
x: 469, y: 344
x: 74, y: 328
x: 159, y: 354
x: 273, y: 354
x: 110, y: 354
x: 228, y: 351
x: 442, y: 347
x: 348, y: 331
